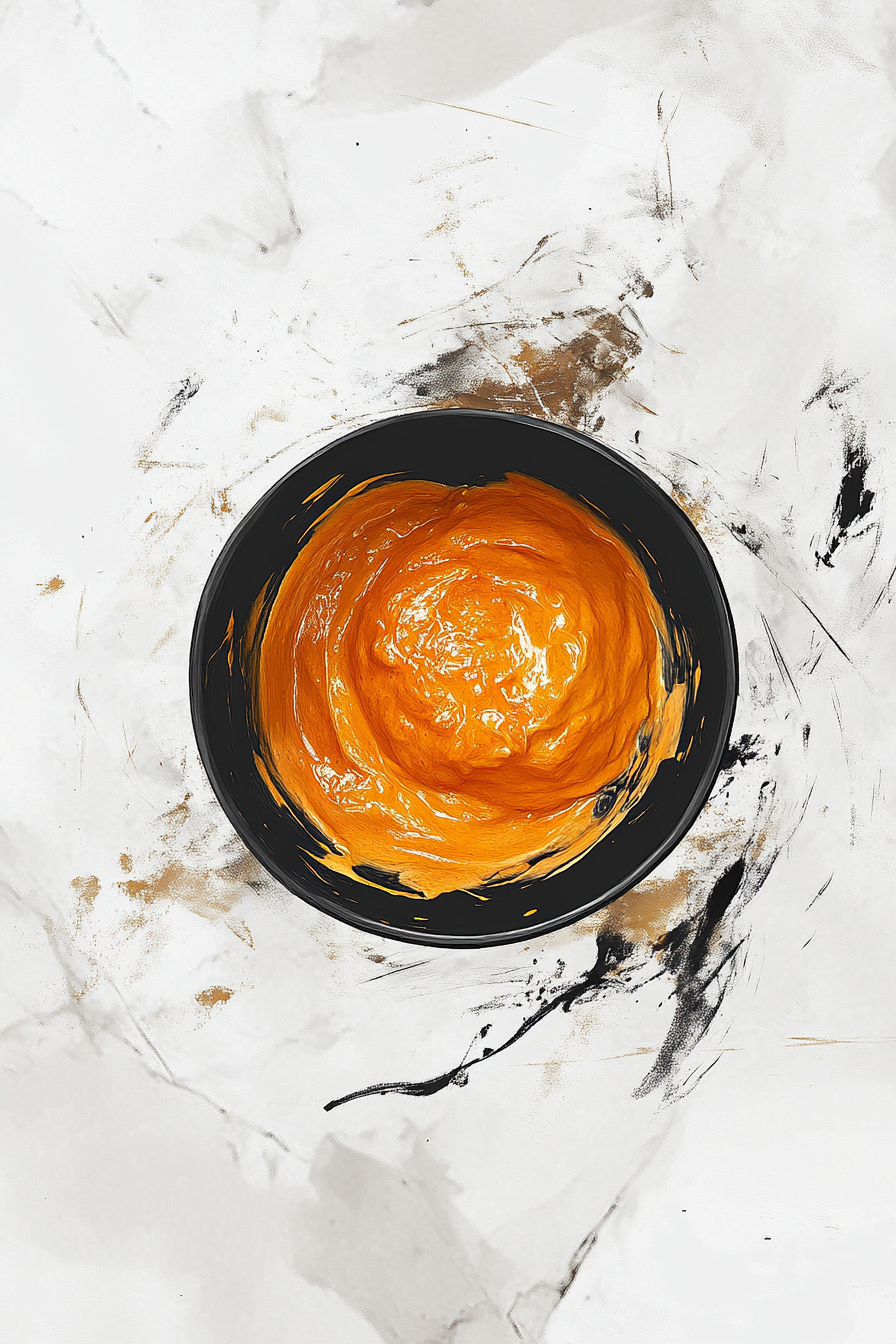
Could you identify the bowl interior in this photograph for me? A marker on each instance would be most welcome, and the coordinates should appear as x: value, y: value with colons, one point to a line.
x: 461, y: 448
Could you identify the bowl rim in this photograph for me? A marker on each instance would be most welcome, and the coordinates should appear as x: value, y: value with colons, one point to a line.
x: 367, y: 924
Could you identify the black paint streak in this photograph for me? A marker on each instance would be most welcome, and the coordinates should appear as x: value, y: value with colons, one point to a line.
x: 700, y: 954
x: 396, y: 970
x: 779, y: 657
x: 884, y: 590
x: 611, y: 952
x: 720, y: 898
x: 696, y: 1008
x: 854, y: 499
x: 821, y: 891
x: 697, y: 1075
x: 823, y: 628
x: 746, y: 534
x: 453, y: 372
x: 740, y: 535
x: 187, y: 389
x: 832, y: 390
x: 584, y: 1249
x: 739, y: 752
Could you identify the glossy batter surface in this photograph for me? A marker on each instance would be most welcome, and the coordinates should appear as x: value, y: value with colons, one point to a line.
x: 463, y: 685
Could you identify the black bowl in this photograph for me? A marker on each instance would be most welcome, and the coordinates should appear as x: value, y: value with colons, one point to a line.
x: 460, y: 447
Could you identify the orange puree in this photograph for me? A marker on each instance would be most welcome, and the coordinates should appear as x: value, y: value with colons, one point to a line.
x: 449, y: 677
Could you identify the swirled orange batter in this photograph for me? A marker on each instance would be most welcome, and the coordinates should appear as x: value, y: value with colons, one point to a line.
x: 450, y: 680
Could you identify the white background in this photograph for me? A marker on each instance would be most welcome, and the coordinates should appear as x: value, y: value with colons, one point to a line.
x: 293, y: 206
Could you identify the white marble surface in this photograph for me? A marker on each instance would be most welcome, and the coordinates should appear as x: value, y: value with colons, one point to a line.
x: 286, y: 209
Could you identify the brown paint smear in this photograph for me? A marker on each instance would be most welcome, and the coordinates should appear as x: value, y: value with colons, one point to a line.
x: 86, y: 890
x: 645, y: 915
x: 450, y: 677
x: 208, y: 890
x: 213, y: 995
x: 196, y: 889
x: 557, y: 377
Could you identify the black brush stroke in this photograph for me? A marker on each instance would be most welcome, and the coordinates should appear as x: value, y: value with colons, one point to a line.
x: 697, y: 942
x: 883, y: 592
x: 696, y: 1076
x: 832, y: 389
x: 746, y: 748
x: 396, y: 970
x: 854, y: 499
x: 818, y: 621
x: 779, y: 657
x: 721, y: 896
x: 187, y: 389
x: 821, y: 891
x: 802, y: 601
x: 697, y: 953
x: 611, y: 951
x: 694, y: 1012
x: 745, y: 534
x: 687, y: 952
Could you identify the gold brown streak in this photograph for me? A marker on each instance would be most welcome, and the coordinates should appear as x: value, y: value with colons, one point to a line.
x: 560, y: 382
x: 178, y: 814
x: 166, y: 522
x: 240, y: 929
x: 172, y: 629
x: 705, y: 843
x: 203, y: 891
x: 591, y: 1060
x: 449, y: 226
x: 451, y: 166
x: 514, y: 121
x: 552, y: 1075
x: 641, y: 407
x: 210, y: 891
x: 86, y: 890
x: 835, y: 1040
x: 645, y: 915
x: 698, y: 511
x: 267, y: 413
x: 214, y: 995
x: 147, y: 464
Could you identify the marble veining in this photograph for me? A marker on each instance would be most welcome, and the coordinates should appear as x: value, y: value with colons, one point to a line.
x: 231, y: 232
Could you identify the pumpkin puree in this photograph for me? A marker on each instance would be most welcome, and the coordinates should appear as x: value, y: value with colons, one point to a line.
x: 460, y: 686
